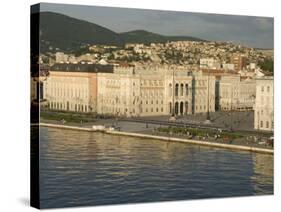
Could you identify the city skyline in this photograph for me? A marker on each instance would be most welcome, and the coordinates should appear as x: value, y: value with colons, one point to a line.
x: 250, y: 31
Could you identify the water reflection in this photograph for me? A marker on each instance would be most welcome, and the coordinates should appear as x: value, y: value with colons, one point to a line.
x: 82, y: 168
x: 263, y: 177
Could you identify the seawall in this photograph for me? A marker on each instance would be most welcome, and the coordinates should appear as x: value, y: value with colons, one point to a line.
x: 165, y: 138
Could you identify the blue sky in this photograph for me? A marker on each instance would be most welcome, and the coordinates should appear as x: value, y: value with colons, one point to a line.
x: 251, y: 31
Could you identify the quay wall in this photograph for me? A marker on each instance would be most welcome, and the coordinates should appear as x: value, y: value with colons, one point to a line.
x: 165, y: 138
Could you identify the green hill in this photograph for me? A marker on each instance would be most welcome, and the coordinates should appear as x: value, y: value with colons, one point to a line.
x: 142, y: 36
x: 64, y: 33
x: 68, y: 33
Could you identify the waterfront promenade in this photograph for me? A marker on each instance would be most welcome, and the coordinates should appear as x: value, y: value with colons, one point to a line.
x: 145, y: 130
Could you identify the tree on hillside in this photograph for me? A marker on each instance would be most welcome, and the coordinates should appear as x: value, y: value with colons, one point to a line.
x: 267, y: 65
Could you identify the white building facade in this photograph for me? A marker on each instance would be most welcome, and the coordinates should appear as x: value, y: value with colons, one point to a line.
x: 264, y: 104
x: 131, y: 91
x: 237, y: 93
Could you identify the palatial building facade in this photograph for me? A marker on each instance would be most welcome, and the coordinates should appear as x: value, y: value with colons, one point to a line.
x: 128, y: 91
x: 236, y: 93
x: 73, y: 87
x: 131, y: 91
x: 264, y: 104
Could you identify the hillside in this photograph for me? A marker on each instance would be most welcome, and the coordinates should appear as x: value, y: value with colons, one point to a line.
x: 142, y: 36
x: 61, y: 32
x: 68, y: 33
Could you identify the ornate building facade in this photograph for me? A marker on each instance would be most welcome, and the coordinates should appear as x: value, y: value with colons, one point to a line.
x: 237, y: 93
x: 264, y: 104
x: 131, y: 91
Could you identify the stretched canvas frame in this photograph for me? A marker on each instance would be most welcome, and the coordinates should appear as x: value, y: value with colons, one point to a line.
x: 142, y: 116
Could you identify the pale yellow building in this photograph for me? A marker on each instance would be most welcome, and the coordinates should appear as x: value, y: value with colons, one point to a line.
x: 73, y: 87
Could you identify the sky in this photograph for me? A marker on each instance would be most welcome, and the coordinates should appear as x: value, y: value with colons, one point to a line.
x: 251, y: 31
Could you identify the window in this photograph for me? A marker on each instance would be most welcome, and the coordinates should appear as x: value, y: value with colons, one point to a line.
x: 186, y: 89
x: 152, y: 109
x: 177, y: 90
x: 267, y: 124
x: 181, y: 89
x: 262, y: 88
x: 261, y: 123
x: 268, y: 88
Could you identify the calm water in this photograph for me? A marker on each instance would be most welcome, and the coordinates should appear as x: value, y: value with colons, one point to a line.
x: 83, y: 168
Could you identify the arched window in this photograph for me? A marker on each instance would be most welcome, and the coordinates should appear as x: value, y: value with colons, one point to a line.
x: 181, y: 108
x: 177, y: 90
x: 181, y: 90
x: 186, y: 89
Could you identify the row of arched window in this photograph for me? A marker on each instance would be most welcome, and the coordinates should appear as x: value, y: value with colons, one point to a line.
x: 180, y: 89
